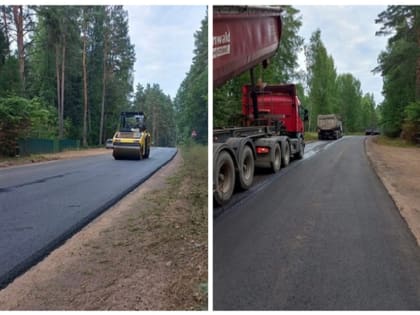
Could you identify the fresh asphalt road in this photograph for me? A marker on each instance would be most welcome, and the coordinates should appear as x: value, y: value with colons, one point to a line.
x: 41, y: 205
x: 323, y: 235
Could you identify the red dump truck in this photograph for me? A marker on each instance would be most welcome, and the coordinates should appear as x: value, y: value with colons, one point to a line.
x: 272, y: 129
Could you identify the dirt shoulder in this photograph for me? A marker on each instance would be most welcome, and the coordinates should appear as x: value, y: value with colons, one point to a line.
x: 65, y: 155
x: 399, y: 170
x: 148, y: 252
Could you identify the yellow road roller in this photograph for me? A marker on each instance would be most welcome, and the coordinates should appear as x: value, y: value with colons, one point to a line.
x: 132, y: 140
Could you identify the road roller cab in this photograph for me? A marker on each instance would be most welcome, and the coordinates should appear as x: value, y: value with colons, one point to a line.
x: 132, y: 140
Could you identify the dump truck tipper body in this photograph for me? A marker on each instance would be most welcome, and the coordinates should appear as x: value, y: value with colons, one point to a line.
x: 329, y: 127
x: 272, y: 130
x: 243, y: 37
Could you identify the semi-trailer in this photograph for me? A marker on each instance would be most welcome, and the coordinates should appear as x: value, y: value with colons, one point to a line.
x: 271, y: 132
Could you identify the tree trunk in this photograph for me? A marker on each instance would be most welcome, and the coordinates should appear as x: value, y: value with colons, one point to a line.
x: 85, y: 100
x: 154, y: 129
x: 57, y: 73
x: 18, y: 17
x: 6, y: 29
x: 101, y: 127
x: 61, y: 133
x: 417, y: 27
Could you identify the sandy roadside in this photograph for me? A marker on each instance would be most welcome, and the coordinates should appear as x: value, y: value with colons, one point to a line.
x: 399, y: 170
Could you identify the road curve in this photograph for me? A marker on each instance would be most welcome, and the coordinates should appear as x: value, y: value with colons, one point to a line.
x: 324, y: 235
x: 42, y: 205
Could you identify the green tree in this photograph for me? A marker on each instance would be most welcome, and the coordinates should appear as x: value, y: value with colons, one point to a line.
x: 118, y: 62
x: 369, y: 116
x: 81, y: 59
x: 159, y: 112
x: 321, y: 79
x: 399, y: 64
x: 349, y: 102
x: 283, y: 66
x: 20, y: 118
x: 191, y: 99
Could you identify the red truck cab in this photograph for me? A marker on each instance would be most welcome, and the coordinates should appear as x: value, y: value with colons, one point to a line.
x: 275, y: 104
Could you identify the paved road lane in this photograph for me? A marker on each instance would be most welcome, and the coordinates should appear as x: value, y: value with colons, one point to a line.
x: 325, y: 235
x: 42, y: 205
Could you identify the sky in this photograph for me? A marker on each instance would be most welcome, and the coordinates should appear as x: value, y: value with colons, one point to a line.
x: 163, y: 37
x: 348, y: 33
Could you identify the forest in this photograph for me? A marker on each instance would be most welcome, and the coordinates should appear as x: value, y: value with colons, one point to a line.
x: 66, y: 72
x: 322, y: 90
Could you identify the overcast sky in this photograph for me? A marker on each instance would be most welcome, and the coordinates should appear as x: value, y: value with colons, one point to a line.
x: 348, y: 33
x: 164, y: 42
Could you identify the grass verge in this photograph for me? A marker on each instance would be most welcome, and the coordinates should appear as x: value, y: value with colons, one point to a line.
x: 394, y: 142
x: 44, y: 157
x: 177, y: 217
x: 311, y: 136
x: 34, y: 158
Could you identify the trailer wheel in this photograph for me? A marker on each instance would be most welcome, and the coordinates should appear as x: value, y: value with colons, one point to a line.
x: 276, y: 163
x: 246, y: 168
x: 224, y: 178
x: 299, y: 155
x: 285, y: 159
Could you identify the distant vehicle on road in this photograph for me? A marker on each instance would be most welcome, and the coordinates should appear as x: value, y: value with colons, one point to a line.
x: 372, y: 131
x: 108, y: 144
x: 329, y: 127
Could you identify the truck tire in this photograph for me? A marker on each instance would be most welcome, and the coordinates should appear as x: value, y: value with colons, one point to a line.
x: 301, y: 152
x: 285, y: 157
x: 246, y: 168
x: 276, y: 163
x: 224, y: 180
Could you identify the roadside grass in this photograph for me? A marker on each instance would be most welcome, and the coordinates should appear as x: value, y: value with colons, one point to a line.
x: 6, y: 161
x: 311, y: 136
x: 20, y: 160
x: 394, y: 142
x: 176, y: 217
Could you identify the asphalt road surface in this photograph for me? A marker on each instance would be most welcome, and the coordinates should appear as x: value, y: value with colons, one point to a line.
x: 323, y: 235
x: 42, y: 205
x: 264, y: 176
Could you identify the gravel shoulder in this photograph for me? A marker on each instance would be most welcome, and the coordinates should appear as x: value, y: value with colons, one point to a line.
x: 145, y: 253
x: 399, y: 170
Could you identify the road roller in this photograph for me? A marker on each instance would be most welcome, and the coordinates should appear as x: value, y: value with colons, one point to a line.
x: 132, y: 140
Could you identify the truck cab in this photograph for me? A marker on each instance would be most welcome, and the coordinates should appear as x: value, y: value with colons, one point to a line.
x: 276, y: 104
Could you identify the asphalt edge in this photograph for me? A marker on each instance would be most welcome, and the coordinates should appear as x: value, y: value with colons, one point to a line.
x: 393, y: 198
x: 74, y: 229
